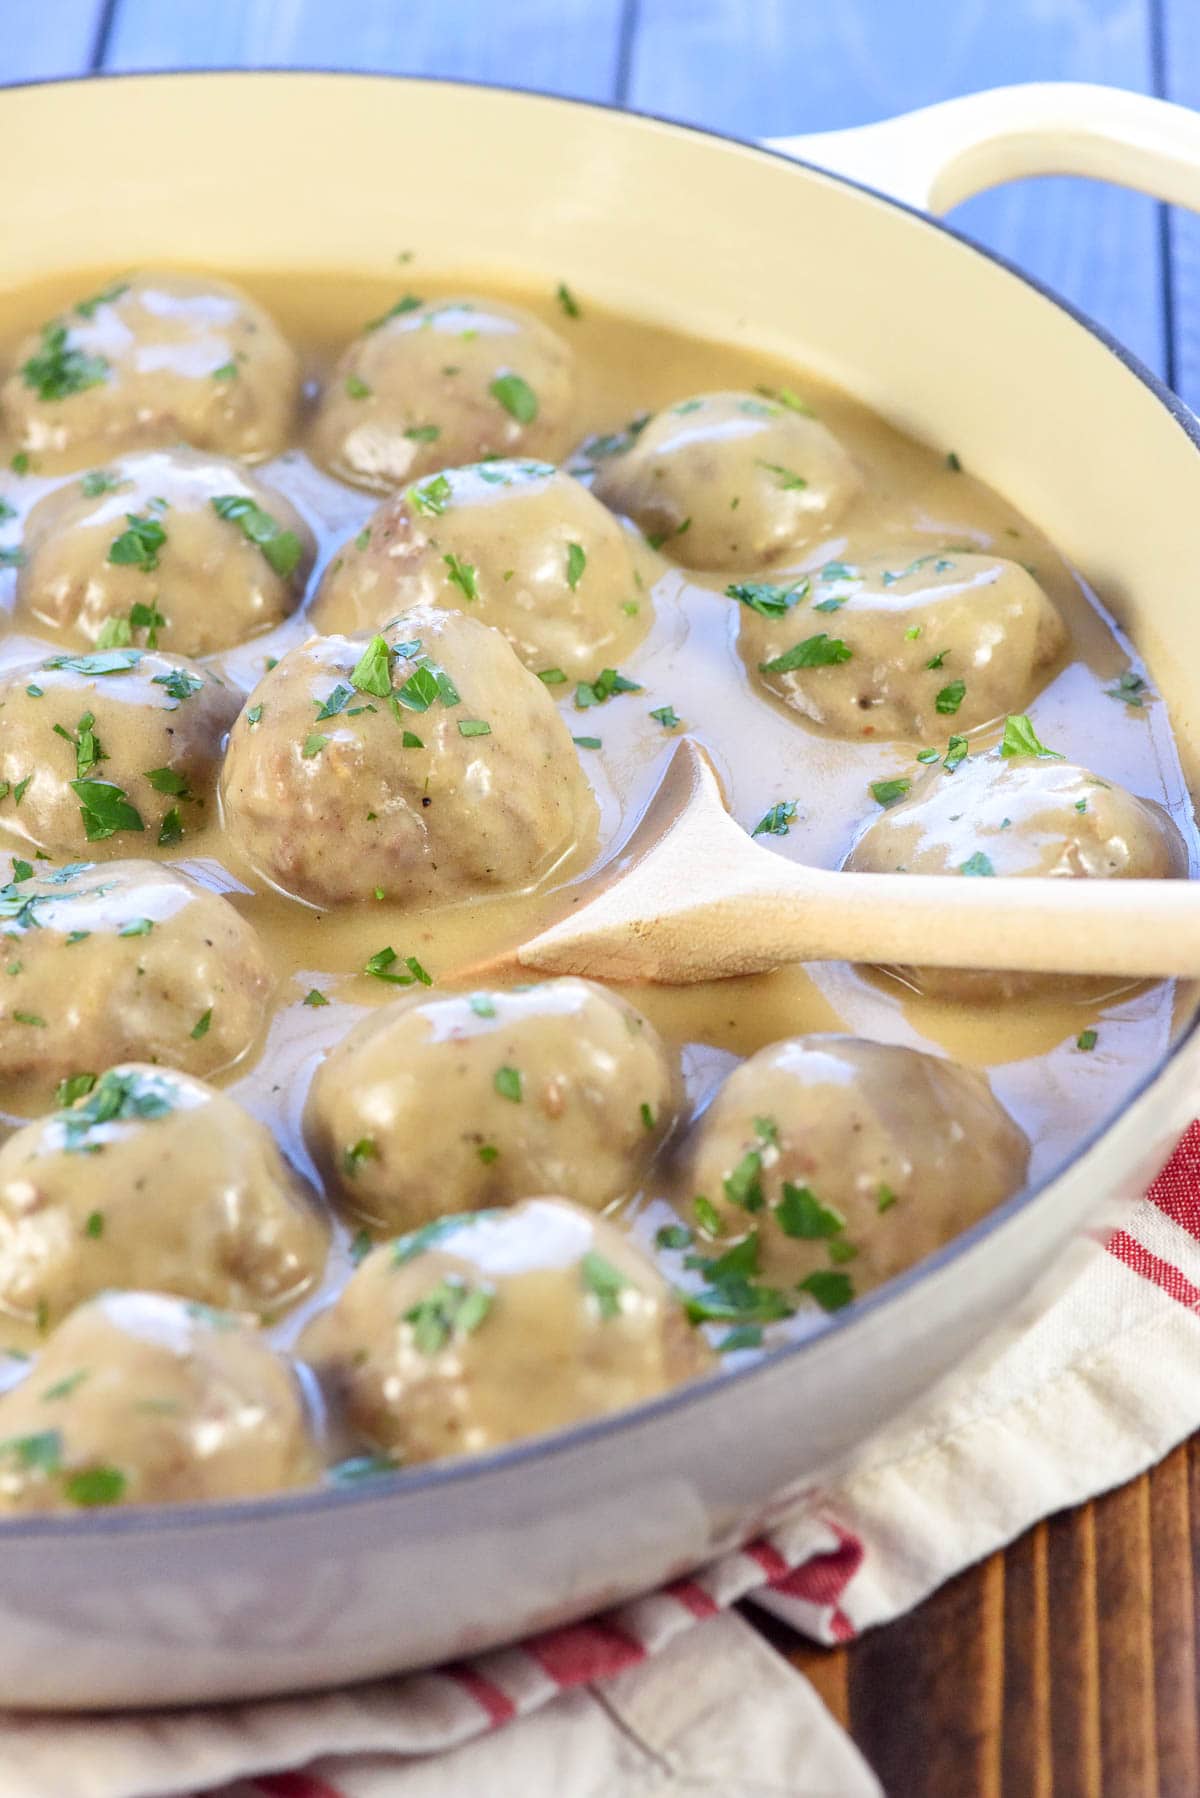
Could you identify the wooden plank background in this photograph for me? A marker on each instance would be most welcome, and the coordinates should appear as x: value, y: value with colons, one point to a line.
x: 1067, y: 1665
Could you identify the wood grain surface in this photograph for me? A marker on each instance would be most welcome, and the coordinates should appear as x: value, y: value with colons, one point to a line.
x: 1068, y: 1665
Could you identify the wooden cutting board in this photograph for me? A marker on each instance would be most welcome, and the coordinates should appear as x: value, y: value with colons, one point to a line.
x: 1065, y: 1667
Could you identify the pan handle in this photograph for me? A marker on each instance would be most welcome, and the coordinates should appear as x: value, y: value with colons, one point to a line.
x: 940, y: 155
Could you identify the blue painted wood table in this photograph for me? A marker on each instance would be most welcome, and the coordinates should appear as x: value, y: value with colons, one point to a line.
x: 1067, y: 1665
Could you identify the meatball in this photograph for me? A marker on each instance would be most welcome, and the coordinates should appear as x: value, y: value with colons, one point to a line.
x: 840, y: 1162
x: 115, y: 744
x: 1019, y: 815
x: 452, y: 1102
x: 151, y: 1179
x: 523, y: 547
x: 171, y: 548
x: 433, y: 386
x: 128, y: 961
x: 423, y: 765
x: 484, y: 1329
x: 728, y: 480
x: 154, y: 359
x: 142, y: 1399
x: 888, y: 648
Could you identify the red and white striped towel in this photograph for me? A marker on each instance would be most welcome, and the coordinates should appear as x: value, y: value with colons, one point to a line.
x: 673, y: 1693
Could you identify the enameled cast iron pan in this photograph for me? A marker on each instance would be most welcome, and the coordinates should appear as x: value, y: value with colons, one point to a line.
x: 294, y: 171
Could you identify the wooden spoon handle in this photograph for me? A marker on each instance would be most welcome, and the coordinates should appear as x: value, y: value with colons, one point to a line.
x: 1132, y: 928
x: 1047, y: 925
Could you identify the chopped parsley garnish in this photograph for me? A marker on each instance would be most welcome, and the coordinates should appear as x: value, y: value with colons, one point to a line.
x: 361, y: 1245
x: 166, y: 780
x: 137, y: 927
x: 29, y: 1018
x: 509, y: 1084
x: 431, y: 497
x: 105, y: 809
x: 953, y: 463
x: 645, y: 1112
x: 178, y: 683
x: 228, y: 371
x: 576, y: 563
x: 281, y: 548
x: 75, y: 1086
x: 409, y: 303
x: 95, y: 1486
x: 139, y: 544
x: 170, y: 831
x: 357, y: 388
x: 776, y: 822
x: 553, y: 677
x: 420, y: 434
x: 85, y: 743
x: 567, y: 300
x: 801, y: 1214
x: 606, y: 684
x: 115, y: 1098
x: 361, y: 1467
x: 1087, y: 1039
x: 743, y: 1186
x: 106, y: 661
x: 381, y: 966
x: 737, y: 1302
x: 201, y: 1027
x: 354, y: 1156
x: 462, y: 574
x: 313, y: 744
x: 885, y: 1198
x: 887, y: 792
x: 516, y: 396
x: 1130, y: 690
x: 474, y: 727
x: 116, y: 631
x: 336, y: 702
x: 604, y: 1282
x: 814, y: 652
x: 60, y: 369
x: 372, y: 672
x: 977, y: 864
x: 937, y: 660
x: 674, y: 1236
x: 951, y: 697
x: 451, y: 1307
x: 956, y: 754
x: 586, y: 742
x: 1020, y: 738
x: 41, y: 1451
x: 769, y: 601
x: 482, y: 1004
x: 314, y: 997
x: 832, y: 1291
x: 88, y: 308
x: 785, y: 477
x: 487, y: 1153
x: 97, y: 481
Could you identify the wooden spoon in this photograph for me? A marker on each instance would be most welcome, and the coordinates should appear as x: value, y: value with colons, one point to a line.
x: 691, y: 897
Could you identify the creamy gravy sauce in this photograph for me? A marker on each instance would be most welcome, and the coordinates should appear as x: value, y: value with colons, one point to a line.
x: 764, y: 753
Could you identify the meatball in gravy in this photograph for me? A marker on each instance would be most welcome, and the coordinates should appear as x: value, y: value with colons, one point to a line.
x: 730, y: 480
x: 452, y: 1102
x: 902, y: 648
x: 518, y: 545
x: 425, y: 764
x: 434, y: 386
x: 893, y: 647
x: 171, y: 549
x: 151, y: 1179
x: 1017, y: 815
x: 142, y: 1399
x: 154, y: 359
x: 488, y: 1328
x: 116, y: 744
x: 842, y: 1161
x: 123, y: 961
